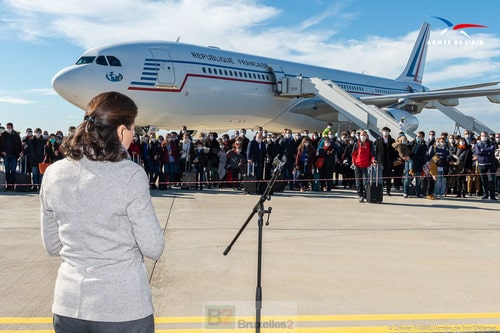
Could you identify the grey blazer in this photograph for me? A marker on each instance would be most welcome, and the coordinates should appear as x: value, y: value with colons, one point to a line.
x: 99, y: 218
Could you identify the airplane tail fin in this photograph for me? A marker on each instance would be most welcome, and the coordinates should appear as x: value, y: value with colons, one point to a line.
x: 414, y: 69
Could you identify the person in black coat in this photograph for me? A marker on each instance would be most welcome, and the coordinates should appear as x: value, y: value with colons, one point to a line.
x: 10, y: 149
x: 200, y: 162
x: 154, y: 159
x: 213, y: 157
x: 289, y: 149
x: 463, y: 165
x: 273, y: 150
x: 256, y: 155
x: 386, y: 155
x: 418, y: 153
x: 36, y: 154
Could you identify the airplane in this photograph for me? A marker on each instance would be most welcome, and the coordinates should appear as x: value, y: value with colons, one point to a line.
x: 176, y: 84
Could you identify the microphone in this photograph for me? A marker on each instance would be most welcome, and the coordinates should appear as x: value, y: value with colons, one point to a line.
x: 278, y: 163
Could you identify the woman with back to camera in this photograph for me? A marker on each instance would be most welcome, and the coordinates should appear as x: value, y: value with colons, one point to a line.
x: 98, y: 217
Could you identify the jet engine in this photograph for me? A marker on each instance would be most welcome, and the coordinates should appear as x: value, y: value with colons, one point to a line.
x: 410, y: 120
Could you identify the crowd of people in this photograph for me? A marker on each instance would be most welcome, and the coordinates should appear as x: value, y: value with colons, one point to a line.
x: 428, y: 166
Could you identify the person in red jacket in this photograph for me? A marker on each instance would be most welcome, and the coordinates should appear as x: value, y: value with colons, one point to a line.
x: 135, y: 150
x: 363, y: 156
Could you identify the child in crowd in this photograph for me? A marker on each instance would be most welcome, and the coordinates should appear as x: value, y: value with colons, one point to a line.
x: 401, y: 146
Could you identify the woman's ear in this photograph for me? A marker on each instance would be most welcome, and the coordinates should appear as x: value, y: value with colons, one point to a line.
x: 119, y: 132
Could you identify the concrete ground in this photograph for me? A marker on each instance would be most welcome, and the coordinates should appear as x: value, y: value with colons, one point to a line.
x: 330, y: 263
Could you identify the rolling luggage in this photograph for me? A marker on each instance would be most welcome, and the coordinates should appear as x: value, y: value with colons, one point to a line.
x: 23, y: 179
x: 188, y: 178
x: 3, y: 178
x: 375, y: 188
x: 316, y: 186
x: 250, y: 180
x: 279, y: 184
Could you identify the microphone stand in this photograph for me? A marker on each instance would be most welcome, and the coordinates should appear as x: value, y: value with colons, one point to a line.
x: 260, y: 210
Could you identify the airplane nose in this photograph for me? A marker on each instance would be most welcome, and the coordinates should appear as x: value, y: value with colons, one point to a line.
x: 66, y: 84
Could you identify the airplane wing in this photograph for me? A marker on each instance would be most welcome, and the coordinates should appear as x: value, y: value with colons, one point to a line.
x: 445, y: 96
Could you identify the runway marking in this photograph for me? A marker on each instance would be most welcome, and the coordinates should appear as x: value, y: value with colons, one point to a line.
x: 406, y: 323
x: 362, y: 329
x: 329, y: 318
x: 304, y: 318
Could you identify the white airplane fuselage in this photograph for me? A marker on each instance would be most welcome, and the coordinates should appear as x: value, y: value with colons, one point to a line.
x: 177, y: 84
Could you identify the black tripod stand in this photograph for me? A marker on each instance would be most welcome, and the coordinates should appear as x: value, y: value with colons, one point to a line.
x: 260, y: 210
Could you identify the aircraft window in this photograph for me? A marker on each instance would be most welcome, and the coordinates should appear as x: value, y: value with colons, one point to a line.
x: 254, y: 76
x: 220, y: 71
x: 225, y: 72
x: 101, y: 61
x: 231, y: 73
x: 204, y: 70
x: 85, y: 60
x: 210, y: 70
x: 245, y: 74
x: 113, y: 61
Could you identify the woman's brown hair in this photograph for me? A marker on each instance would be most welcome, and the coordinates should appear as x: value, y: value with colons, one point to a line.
x: 96, y: 138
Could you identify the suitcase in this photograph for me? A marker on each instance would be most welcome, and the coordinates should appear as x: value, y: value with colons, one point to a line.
x: 23, y: 180
x: 279, y: 184
x: 250, y: 180
x: 3, y: 178
x: 188, y: 177
x: 188, y: 180
x: 316, y: 186
x: 375, y: 188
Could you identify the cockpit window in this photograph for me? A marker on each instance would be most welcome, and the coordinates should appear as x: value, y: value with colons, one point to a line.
x: 113, y: 61
x: 85, y: 60
x: 101, y: 60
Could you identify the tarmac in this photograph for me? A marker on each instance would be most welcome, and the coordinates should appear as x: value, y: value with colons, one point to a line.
x: 330, y: 264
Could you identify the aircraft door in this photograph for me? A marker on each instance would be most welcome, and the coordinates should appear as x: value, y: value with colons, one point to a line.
x: 166, y: 72
x: 278, y: 74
